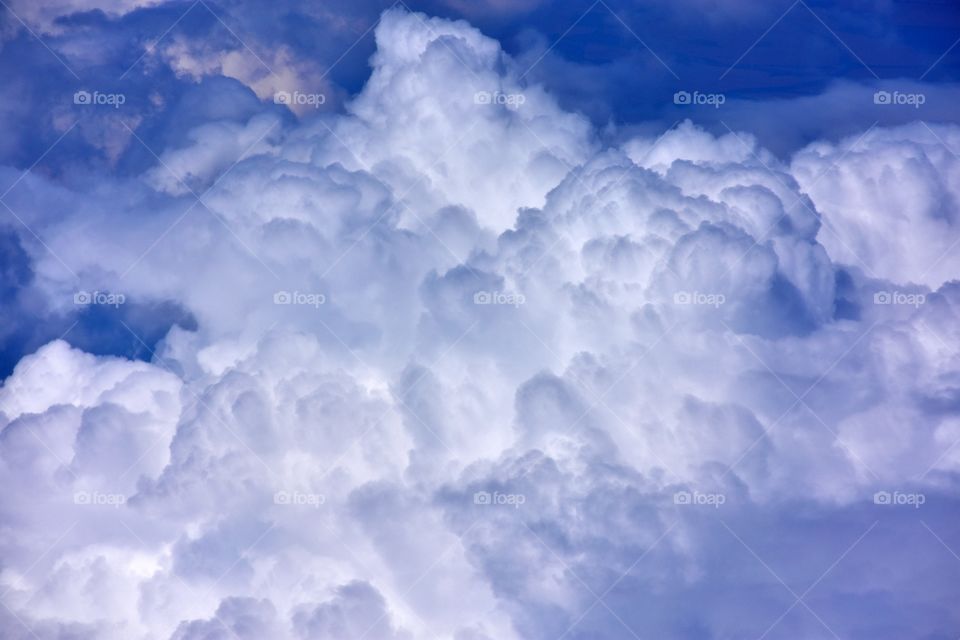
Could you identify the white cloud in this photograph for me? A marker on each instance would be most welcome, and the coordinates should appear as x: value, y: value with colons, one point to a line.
x: 485, y: 380
x: 890, y: 200
x: 44, y: 15
x: 268, y: 71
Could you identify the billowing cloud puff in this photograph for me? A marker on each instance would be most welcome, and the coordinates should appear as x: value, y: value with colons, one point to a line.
x: 275, y: 74
x: 891, y: 200
x: 460, y: 372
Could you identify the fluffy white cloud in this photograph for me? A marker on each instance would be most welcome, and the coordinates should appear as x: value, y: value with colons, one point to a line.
x: 461, y: 373
x: 890, y: 200
x: 273, y: 74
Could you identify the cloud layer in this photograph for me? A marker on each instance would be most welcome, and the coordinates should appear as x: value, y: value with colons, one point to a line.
x: 445, y: 365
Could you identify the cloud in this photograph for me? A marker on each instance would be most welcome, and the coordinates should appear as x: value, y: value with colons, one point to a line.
x: 46, y: 16
x: 890, y: 200
x: 280, y: 78
x: 457, y: 369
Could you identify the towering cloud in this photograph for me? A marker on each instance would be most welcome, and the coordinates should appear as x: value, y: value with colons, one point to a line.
x: 460, y: 371
x: 890, y: 198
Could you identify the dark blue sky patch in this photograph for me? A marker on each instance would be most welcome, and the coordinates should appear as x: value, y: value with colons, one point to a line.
x: 131, y: 329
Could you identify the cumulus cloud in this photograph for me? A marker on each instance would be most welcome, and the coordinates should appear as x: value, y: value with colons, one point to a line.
x: 275, y: 74
x: 890, y: 199
x: 459, y: 371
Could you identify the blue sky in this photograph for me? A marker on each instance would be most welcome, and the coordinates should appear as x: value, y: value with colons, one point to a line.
x: 474, y: 320
x: 596, y: 58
